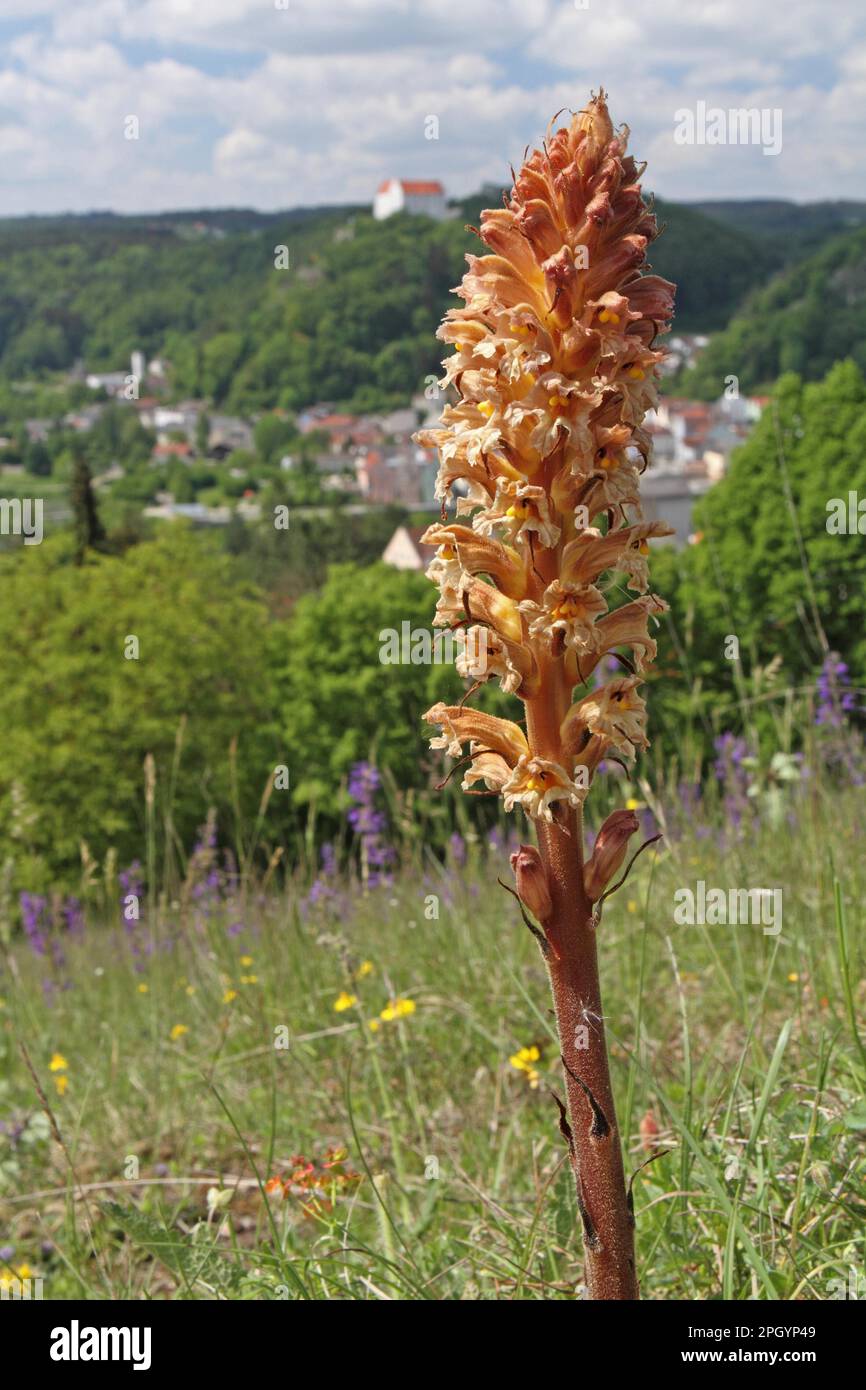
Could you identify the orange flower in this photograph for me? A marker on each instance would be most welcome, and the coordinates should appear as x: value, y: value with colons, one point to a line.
x: 555, y: 365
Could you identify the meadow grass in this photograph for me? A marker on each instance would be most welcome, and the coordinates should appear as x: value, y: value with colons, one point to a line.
x: 147, y: 1179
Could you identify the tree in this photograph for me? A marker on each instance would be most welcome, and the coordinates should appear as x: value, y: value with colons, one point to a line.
x: 273, y: 435
x: 804, y: 320
x: 766, y: 569
x: 89, y: 531
x: 37, y: 459
x: 220, y: 358
x: 202, y: 433
x: 82, y: 704
x: 339, y: 702
x: 751, y: 575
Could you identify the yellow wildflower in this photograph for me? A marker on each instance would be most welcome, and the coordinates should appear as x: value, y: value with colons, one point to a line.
x: 61, y: 1082
x: 364, y: 969
x: 178, y: 1031
x: 246, y: 960
x: 249, y: 979
x: 58, y: 1062
x: 344, y: 1001
x: 10, y: 1281
x: 229, y: 995
x: 398, y: 1008
x: 524, y: 1058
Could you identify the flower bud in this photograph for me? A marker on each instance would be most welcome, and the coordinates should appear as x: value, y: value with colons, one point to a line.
x: 531, y: 877
x: 611, y: 843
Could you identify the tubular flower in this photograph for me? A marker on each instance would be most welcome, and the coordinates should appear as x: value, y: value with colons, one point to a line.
x: 461, y: 726
x: 615, y: 711
x: 536, y: 783
x: 611, y: 844
x: 484, y: 654
x: 531, y: 878
x: 553, y: 363
x: 566, y: 613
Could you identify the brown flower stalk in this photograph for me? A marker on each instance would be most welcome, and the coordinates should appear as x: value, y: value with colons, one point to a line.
x: 554, y: 363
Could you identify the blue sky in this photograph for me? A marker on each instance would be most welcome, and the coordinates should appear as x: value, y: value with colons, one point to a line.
x: 277, y: 103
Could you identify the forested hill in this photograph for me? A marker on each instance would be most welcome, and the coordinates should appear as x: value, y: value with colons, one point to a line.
x: 806, y: 319
x: 351, y: 319
x: 794, y: 228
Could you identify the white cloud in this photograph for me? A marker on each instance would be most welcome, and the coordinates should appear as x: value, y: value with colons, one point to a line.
x: 327, y: 96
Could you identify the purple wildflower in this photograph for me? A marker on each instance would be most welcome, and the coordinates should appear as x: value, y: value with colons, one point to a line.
x: 835, y: 698
x: 73, y: 916
x: 34, y: 916
x: 369, y: 824
x: 457, y: 849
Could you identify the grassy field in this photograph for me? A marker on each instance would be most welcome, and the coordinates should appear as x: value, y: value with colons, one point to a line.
x: 192, y: 1076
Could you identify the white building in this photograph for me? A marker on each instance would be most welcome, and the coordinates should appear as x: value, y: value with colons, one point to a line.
x: 112, y: 383
x: 424, y: 196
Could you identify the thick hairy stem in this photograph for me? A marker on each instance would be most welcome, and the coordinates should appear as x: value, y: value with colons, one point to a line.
x: 608, y: 1223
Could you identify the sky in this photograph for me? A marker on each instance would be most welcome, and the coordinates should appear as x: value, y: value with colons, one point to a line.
x: 284, y: 103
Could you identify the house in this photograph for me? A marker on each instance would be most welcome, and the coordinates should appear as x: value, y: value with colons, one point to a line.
x: 417, y: 196
x: 670, y: 498
x: 182, y: 418
x: 228, y: 433
x: 398, y: 424
x: 403, y: 476
x: 84, y: 419
x: 112, y: 383
x: 171, y: 449
x: 38, y: 430
x: 404, y: 550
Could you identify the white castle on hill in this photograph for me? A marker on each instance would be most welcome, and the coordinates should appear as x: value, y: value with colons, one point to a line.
x: 425, y: 196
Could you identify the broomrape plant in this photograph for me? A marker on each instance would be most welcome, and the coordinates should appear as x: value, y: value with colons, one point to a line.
x: 554, y: 363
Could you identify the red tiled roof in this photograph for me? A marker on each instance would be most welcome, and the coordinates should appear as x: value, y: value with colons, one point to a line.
x: 417, y: 187
x: 175, y: 448
x: 332, y: 422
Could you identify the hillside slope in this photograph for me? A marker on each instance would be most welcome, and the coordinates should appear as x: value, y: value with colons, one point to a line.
x: 806, y: 319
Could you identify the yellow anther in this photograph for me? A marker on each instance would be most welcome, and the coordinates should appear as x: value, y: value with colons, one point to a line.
x: 486, y: 408
x: 636, y: 373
